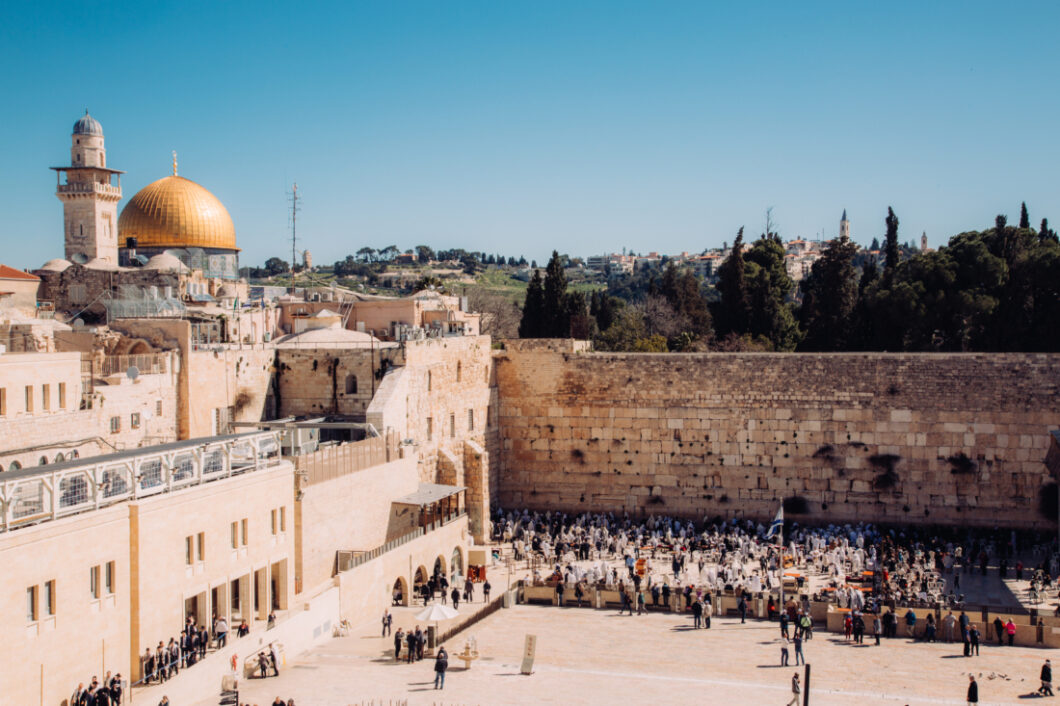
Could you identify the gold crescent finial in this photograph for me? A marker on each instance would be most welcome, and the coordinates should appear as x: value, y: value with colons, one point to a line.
x: 174, y: 162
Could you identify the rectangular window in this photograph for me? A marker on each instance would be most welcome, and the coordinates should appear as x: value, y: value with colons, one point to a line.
x: 244, y: 523
x: 29, y: 398
x: 3, y: 401
x: 471, y: 420
x: 158, y: 408
x: 283, y: 519
x: 235, y: 535
x: 45, y: 397
x: 452, y: 425
x: 31, y: 604
x: 62, y: 395
x: 49, y: 598
x: 134, y: 420
x: 93, y: 582
x: 202, y: 546
x: 115, y: 425
x: 109, y: 577
x: 430, y: 428
x: 274, y: 522
x: 189, y: 558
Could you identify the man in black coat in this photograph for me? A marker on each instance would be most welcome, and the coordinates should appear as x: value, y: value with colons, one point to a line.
x: 697, y: 614
x: 973, y: 690
x: 399, y: 637
x: 1046, y: 689
x: 441, y: 663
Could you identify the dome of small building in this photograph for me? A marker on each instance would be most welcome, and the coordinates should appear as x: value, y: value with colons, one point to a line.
x: 56, y: 265
x: 164, y: 262
x: 88, y: 125
x: 175, y: 212
x: 326, y: 338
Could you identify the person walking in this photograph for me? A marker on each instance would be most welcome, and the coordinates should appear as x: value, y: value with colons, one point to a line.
x: 441, y: 663
x: 973, y: 637
x: 456, y: 597
x: 1010, y: 630
x: 486, y: 592
x: 1046, y: 689
x: 640, y: 601
x: 697, y: 614
x: 784, y: 624
x: 220, y: 631
x: 410, y: 646
x: 999, y: 628
x: 783, y: 652
x: 399, y: 637
x: 796, y: 689
x: 742, y: 607
x: 798, y: 650
x: 877, y: 626
x: 973, y: 690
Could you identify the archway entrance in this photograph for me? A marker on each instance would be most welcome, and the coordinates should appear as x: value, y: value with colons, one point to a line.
x: 457, y: 564
x: 400, y: 592
x: 439, y: 567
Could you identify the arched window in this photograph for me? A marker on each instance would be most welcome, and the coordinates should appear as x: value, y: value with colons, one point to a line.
x: 351, y: 384
x: 74, y: 454
x: 59, y: 458
x: 15, y: 466
x: 43, y: 461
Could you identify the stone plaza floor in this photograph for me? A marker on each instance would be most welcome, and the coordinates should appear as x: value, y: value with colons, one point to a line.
x: 587, y: 656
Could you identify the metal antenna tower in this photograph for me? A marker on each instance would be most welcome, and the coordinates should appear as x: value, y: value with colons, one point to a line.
x: 293, y: 198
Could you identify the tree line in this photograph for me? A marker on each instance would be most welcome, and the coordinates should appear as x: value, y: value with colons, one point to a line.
x: 992, y: 290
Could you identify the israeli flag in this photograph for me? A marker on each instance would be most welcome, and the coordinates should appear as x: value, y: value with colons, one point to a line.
x: 777, y: 524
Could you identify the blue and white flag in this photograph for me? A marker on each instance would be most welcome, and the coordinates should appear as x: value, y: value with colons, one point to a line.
x: 777, y: 524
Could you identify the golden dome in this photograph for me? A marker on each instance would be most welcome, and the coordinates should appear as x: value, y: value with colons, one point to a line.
x: 175, y: 212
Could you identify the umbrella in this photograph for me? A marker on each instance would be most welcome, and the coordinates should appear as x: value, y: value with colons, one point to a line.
x: 435, y: 613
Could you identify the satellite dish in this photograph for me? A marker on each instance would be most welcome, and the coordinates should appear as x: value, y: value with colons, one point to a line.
x: 132, y: 373
x: 78, y: 324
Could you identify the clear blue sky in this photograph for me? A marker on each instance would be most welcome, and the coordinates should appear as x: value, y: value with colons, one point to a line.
x: 519, y: 127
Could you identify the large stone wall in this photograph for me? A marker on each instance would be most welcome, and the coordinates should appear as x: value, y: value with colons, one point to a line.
x: 928, y: 438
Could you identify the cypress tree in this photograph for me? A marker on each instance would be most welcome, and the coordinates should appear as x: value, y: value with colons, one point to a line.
x: 890, y: 246
x: 1025, y: 219
x: 735, y: 305
x: 532, y: 323
x: 556, y: 315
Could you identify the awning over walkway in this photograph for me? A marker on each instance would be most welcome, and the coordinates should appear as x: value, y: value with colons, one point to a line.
x: 430, y: 493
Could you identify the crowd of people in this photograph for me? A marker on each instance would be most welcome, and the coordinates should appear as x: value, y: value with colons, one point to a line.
x: 99, y: 693
x: 907, y: 565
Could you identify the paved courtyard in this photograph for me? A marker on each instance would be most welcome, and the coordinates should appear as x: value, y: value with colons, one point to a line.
x: 591, y: 657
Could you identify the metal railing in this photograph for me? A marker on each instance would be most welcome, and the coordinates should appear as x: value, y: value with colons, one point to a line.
x: 49, y: 492
x: 346, y: 559
x: 146, y: 364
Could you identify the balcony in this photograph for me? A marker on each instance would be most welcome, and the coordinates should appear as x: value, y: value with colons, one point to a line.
x: 89, y: 187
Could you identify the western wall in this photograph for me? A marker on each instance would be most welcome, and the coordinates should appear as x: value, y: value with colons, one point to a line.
x: 898, y: 438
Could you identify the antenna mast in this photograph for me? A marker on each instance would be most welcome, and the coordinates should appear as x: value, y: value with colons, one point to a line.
x: 293, y: 198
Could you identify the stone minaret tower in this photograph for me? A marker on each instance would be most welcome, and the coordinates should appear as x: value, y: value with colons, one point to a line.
x: 89, y: 196
x: 923, y: 242
x: 844, y: 226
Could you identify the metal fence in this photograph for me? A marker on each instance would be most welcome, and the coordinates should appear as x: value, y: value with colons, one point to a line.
x: 50, y: 492
x: 146, y: 364
x: 336, y: 461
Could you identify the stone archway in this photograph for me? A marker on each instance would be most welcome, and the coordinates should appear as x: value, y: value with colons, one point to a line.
x: 399, y: 593
x: 457, y: 563
x: 439, y: 567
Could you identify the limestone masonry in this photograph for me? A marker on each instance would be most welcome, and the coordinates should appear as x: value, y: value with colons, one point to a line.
x: 926, y: 438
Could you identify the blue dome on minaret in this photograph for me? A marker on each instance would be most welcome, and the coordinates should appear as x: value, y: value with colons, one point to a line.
x: 88, y: 125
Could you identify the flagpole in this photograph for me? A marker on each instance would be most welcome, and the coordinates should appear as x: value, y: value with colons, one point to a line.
x: 783, y: 605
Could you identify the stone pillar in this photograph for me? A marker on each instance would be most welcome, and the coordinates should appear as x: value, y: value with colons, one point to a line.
x: 476, y: 478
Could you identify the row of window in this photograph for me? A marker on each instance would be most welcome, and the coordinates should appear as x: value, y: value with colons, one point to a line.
x: 452, y: 424
x: 30, y: 397
x: 41, y: 600
x: 135, y: 420
x: 43, y: 460
x: 195, y: 544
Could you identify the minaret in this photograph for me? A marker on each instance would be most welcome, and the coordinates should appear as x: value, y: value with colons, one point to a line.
x: 844, y: 226
x: 90, y: 199
x: 923, y: 242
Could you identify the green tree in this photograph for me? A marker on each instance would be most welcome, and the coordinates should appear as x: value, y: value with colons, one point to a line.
x: 532, y: 324
x: 769, y: 288
x: 275, y: 266
x: 734, y: 307
x: 829, y: 298
x: 891, y: 254
x: 424, y: 254
x: 556, y: 317
x: 1025, y: 219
